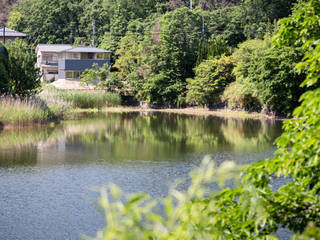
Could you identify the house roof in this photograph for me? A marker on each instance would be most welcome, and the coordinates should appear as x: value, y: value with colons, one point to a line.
x: 53, y: 47
x: 11, y: 33
x: 85, y: 50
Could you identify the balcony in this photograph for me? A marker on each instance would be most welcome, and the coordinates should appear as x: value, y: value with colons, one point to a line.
x: 79, y: 65
x: 50, y: 63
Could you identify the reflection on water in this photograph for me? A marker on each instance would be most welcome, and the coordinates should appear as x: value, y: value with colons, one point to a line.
x: 132, y: 136
x: 46, y: 172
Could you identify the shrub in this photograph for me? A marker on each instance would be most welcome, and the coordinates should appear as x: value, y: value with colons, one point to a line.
x: 268, y: 74
x: 211, y: 77
x: 237, y: 96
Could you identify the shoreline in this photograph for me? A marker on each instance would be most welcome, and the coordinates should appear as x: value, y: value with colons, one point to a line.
x: 225, y: 113
x: 199, y: 112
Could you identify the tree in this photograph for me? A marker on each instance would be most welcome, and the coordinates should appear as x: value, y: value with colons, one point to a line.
x: 211, y: 77
x: 101, y: 78
x: 267, y: 74
x: 129, y: 63
x: 4, y: 75
x: 23, y: 76
x: 177, y: 43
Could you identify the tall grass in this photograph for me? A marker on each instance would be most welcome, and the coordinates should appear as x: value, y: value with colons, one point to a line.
x: 80, y: 99
x: 15, y: 110
x: 91, y: 100
x: 51, y: 104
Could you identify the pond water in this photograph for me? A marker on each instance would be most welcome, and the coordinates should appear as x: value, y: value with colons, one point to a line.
x: 47, y: 174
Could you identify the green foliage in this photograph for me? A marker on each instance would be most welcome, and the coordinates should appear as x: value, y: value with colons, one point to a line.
x: 91, y: 100
x: 211, y: 77
x: 4, y: 79
x: 23, y: 111
x: 311, y: 233
x: 267, y: 74
x: 4, y: 75
x: 237, y: 96
x: 213, y: 48
x: 129, y: 64
x: 186, y: 215
x: 176, y: 48
x: 100, y: 77
x: 23, y: 76
x: 254, y: 209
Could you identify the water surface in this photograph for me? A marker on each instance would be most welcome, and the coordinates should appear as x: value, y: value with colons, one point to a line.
x: 46, y: 173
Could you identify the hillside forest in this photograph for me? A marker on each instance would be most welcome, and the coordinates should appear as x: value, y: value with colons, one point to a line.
x: 257, y: 55
x: 219, y: 54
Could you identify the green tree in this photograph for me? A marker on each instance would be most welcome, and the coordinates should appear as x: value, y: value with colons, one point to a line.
x: 46, y: 21
x: 23, y: 76
x: 129, y: 63
x: 176, y: 43
x: 267, y: 74
x: 4, y: 75
x: 101, y: 78
x: 211, y: 77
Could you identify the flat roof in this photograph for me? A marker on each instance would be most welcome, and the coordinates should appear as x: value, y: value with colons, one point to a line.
x: 85, y: 50
x: 53, y: 47
x: 11, y: 33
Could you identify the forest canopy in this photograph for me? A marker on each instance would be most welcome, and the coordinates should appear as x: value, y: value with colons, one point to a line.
x: 159, y: 47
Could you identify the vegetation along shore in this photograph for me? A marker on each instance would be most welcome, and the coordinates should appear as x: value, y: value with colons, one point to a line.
x: 257, y: 56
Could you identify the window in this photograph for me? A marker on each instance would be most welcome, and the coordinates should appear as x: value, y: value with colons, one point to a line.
x: 76, y: 74
x: 73, y: 75
x: 103, y: 56
x: 69, y: 74
x: 72, y: 56
x: 87, y: 56
x: 100, y: 56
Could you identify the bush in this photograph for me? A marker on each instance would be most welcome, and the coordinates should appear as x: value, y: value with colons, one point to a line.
x: 211, y: 78
x: 268, y: 74
x: 237, y: 96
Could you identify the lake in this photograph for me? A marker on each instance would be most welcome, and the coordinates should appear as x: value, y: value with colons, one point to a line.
x: 47, y: 173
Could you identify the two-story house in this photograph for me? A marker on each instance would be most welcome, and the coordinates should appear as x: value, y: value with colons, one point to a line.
x: 63, y: 61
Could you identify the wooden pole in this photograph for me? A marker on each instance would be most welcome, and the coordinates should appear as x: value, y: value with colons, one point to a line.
x: 4, y: 34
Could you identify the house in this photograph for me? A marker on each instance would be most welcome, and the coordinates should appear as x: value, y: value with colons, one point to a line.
x: 8, y: 34
x: 63, y: 61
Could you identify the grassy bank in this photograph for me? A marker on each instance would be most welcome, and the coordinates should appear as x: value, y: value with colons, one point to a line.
x: 80, y: 99
x: 52, y: 104
x: 23, y: 111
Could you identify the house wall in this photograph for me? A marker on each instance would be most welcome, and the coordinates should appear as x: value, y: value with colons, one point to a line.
x: 79, y: 65
x: 62, y: 74
x: 7, y: 38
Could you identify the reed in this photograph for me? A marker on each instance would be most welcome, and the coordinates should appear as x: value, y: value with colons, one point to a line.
x: 18, y: 111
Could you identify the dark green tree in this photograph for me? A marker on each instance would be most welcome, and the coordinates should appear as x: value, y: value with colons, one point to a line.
x: 211, y: 77
x: 4, y: 75
x: 23, y: 76
x: 177, y: 45
x: 267, y: 73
